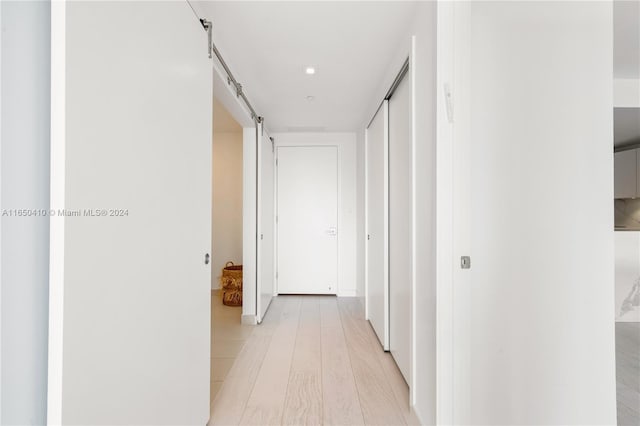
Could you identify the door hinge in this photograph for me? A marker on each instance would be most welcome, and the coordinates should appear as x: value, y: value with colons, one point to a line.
x: 368, y: 237
x: 465, y: 262
x: 276, y: 162
x: 208, y: 27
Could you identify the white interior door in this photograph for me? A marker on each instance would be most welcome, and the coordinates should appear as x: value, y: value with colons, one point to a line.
x: 307, y: 179
x: 131, y: 162
x: 377, y: 225
x: 266, y: 222
x: 400, y: 247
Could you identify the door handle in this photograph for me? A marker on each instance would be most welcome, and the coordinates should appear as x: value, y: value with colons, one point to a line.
x: 332, y: 232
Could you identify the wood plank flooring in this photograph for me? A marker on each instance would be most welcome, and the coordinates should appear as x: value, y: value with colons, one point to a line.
x: 314, y: 360
x: 628, y: 373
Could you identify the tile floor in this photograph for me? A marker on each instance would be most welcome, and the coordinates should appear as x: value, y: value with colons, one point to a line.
x: 228, y: 336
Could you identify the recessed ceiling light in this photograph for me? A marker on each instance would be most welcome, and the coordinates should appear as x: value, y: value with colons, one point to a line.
x: 310, y: 70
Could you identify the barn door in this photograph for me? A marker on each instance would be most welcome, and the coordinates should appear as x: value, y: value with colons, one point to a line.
x: 131, y: 192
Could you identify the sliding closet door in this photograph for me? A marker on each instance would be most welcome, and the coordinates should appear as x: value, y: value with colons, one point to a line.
x: 534, y: 337
x: 130, y: 280
x: 400, y: 207
x: 266, y: 223
x: 377, y: 225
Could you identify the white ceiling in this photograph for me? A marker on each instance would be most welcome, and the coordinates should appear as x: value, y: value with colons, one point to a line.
x: 626, y: 39
x: 268, y: 45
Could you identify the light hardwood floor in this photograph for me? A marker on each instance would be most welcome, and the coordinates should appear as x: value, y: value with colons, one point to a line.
x: 314, y: 360
x: 628, y: 373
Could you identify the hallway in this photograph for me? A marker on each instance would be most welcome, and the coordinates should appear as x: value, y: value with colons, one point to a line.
x: 313, y: 360
x: 382, y: 151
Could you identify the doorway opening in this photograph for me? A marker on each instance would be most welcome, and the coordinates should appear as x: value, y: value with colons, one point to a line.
x: 626, y: 137
x: 626, y: 146
x: 228, y: 334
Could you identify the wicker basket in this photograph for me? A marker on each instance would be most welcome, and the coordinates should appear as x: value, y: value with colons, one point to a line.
x: 231, y: 283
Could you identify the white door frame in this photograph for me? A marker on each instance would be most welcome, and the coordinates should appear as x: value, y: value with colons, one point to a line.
x: 444, y: 211
x: 413, y: 308
x: 461, y: 216
x: 453, y: 179
x: 225, y: 94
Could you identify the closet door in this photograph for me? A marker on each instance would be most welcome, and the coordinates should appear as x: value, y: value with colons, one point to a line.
x: 130, y: 281
x: 400, y: 207
x: 539, y: 288
x: 377, y: 225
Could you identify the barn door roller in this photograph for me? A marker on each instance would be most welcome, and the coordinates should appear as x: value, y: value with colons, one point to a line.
x: 206, y: 24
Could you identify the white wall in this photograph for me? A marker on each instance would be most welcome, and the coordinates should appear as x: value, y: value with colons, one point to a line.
x: 540, y: 300
x: 346, y: 143
x: 423, y: 27
x: 626, y: 93
x: 25, y: 88
x: 227, y: 202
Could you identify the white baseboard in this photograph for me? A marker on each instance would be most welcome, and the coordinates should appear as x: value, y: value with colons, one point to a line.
x: 347, y: 293
x: 248, y: 319
x: 414, y: 417
x: 363, y: 303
